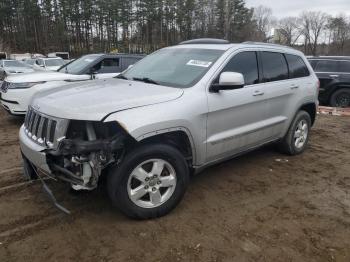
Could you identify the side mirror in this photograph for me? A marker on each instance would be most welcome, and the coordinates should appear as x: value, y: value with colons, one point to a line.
x: 92, y: 72
x: 228, y: 81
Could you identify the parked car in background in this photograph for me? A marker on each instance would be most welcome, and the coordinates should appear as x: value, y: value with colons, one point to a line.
x: 29, y: 61
x: 11, y: 67
x: 19, y: 57
x: 63, y: 55
x: 48, y: 63
x: 334, y: 75
x: 180, y: 109
x: 17, y: 92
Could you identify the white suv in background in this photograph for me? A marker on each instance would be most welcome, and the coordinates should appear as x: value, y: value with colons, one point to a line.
x: 48, y: 63
x: 179, y: 110
x: 16, y: 92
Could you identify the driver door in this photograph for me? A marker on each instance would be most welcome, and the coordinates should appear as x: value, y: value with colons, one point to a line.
x: 236, y: 118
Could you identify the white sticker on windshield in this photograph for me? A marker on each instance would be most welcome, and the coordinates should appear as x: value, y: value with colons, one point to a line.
x: 199, y: 63
x: 88, y: 60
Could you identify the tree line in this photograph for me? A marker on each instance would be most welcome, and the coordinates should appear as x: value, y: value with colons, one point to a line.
x: 139, y: 26
x: 142, y: 26
x: 313, y: 32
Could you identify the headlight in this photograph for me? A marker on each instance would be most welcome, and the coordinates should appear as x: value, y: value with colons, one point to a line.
x: 23, y: 85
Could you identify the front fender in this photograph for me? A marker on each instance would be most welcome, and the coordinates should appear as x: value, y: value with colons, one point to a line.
x: 145, y: 122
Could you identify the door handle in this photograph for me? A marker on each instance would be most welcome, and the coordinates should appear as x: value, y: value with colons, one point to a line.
x: 294, y: 86
x: 258, y: 93
x: 334, y: 76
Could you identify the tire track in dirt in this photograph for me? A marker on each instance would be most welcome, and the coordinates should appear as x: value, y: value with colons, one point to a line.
x: 12, y: 179
x: 14, y: 187
x: 30, y: 225
x: 9, y: 143
x: 27, y: 226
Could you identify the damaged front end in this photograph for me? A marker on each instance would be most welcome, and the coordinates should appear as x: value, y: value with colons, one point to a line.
x: 77, y: 151
x: 86, y: 150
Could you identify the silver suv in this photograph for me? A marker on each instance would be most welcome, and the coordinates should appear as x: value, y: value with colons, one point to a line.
x: 175, y: 112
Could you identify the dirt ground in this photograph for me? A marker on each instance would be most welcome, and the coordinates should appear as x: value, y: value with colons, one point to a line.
x: 263, y: 206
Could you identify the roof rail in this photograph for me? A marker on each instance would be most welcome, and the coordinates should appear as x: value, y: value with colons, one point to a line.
x: 266, y: 44
x: 213, y: 41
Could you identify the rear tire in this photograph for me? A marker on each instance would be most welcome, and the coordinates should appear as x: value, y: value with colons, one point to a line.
x: 340, y: 98
x: 297, y: 137
x: 149, y: 182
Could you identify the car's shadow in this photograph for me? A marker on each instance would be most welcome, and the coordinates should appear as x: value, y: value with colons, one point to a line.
x: 97, y: 201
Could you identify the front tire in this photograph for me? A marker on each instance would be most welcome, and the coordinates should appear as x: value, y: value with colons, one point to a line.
x: 150, y: 181
x: 297, y: 137
x: 340, y: 98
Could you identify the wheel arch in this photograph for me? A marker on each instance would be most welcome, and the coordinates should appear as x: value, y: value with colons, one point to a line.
x: 311, y: 109
x: 178, y: 137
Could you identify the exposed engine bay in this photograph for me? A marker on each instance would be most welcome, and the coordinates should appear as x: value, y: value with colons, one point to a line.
x: 87, y: 149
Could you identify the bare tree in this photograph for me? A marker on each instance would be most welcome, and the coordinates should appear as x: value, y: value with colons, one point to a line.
x: 339, y: 31
x: 290, y: 30
x: 263, y: 18
x: 313, y: 23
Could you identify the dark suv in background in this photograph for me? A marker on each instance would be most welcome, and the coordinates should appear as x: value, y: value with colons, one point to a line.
x: 334, y: 75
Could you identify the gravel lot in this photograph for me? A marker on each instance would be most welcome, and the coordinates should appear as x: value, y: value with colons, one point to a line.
x: 263, y: 206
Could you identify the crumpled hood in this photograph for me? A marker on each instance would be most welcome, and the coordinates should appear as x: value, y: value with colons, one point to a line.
x: 39, y: 76
x: 93, y: 100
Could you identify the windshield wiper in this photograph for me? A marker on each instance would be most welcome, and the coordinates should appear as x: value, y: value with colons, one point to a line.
x: 146, y: 80
x: 120, y: 76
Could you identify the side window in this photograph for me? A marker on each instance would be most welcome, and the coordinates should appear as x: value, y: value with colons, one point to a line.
x: 127, y: 61
x: 326, y: 66
x: 344, y: 66
x: 297, y: 67
x: 246, y: 64
x: 313, y: 63
x: 274, y: 66
x: 108, y: 65
x: 40, y: 62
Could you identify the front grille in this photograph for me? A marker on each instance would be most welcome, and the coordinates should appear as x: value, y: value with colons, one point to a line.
x: 40, y: 128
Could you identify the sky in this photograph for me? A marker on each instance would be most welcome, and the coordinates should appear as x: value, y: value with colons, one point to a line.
x: 283, y: 8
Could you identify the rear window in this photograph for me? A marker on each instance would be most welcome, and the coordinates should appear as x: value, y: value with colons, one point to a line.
x: 274, y: 66
x: 344, y: 66
x: 326, y: 66
x: 108, y: 65
x: 297, y: 67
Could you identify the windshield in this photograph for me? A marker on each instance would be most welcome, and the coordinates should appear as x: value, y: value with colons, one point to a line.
x: 79, y: 64
x: 14, y: 63
x: 29, y: 61
x: 175, y: 67
x: 54, y: 62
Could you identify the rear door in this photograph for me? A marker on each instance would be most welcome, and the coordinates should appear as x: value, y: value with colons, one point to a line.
x: 344, y: 71
x: 328, y: 74
x: 279, y: 91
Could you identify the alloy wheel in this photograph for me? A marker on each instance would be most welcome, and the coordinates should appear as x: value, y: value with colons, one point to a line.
x: 151, y: 183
